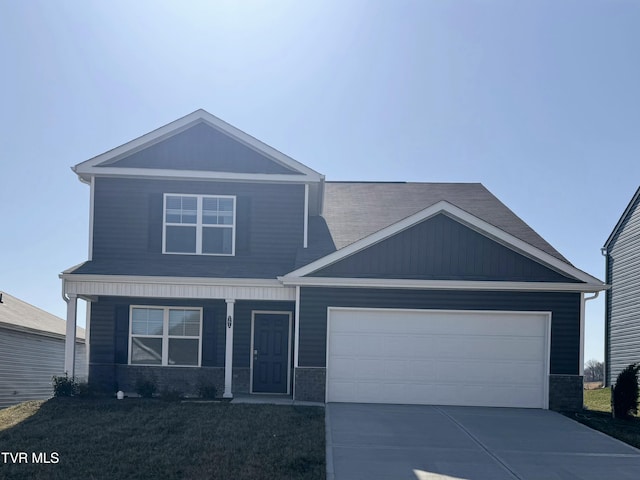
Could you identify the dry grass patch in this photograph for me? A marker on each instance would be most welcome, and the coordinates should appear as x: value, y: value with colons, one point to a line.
x: 140, y: 439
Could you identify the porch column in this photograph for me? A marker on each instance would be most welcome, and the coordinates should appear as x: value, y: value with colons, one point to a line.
x: 70, y: 339
x: 228, y: 359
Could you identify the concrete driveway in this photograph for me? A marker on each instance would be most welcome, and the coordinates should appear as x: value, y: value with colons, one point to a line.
x: 412, y: 442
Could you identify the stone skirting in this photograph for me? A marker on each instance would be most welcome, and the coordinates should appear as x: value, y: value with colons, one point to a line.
x: 182, y: 379
x: 566, y: 392
x: 109, y: 378
x: 310, y: 384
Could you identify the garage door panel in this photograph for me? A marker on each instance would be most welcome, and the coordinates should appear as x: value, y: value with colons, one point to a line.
x: 487, y: 347
x: 434, y: 357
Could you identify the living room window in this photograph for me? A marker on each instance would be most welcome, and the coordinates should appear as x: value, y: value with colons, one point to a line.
x: 167, y: 336
x: 199, y: 224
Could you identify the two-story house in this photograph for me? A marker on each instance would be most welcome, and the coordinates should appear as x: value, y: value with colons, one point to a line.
x: 214, y: 256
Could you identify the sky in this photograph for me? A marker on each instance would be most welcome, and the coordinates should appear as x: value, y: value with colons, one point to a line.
x: 538, y: 100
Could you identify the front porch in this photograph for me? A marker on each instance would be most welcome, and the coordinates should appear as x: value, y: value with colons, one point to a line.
x: 246, y: 342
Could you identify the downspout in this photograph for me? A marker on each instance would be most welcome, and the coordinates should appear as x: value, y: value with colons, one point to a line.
x: 604, y: 251
x: 583, y: 301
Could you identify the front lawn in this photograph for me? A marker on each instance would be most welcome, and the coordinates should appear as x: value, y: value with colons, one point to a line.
x: 597, y: 415
x: 141, y: 439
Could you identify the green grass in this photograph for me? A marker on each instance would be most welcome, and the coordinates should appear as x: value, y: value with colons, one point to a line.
x: 597, y: 415
x: 140, y: 439
x: 598, y: 400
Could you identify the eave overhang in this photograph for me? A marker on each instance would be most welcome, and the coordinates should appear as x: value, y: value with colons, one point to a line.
x: 329, y: 282
x: 103, y: 165
x: 587, y: 283
x: 623, y: 217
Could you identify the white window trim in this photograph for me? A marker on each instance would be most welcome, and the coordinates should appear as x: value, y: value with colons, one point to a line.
x: 199, y: 225
x: 165, y: 335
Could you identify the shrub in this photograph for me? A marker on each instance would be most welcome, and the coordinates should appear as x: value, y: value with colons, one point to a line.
x: 206, y: 390
x: 84, y: 390
x: 146, y: 386
x: 171, y: 395
x: 624, y: 394
x: 63, y: 386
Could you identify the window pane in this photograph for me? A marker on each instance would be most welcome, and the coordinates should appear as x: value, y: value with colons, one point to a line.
x: 180, y: 239
x: 209, y: 218
x: 176, y: 322
x: 210, y: 211
x: 146, y: 321
x: 147, y: 351
x: 225, y: 205
x: 217, y: 240
x: 192, y: 323
x: 217, y: 211
x: 183, y: 351
x: 184, y: 323
x: 225, y: 218
x: 174, y: 203
x: 209, y: 203
x: 181, y: 209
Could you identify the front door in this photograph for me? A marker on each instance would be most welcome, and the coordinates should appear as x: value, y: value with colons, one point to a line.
x: 270, y: 352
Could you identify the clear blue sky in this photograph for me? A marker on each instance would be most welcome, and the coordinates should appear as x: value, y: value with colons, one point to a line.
x: 538, y: 100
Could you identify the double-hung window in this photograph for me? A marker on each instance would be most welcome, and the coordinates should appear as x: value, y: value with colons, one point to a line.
x: 199, y: 224
x: 169, y: 336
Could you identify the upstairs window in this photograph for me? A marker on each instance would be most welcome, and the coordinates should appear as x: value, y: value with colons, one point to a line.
x: 199, y: 224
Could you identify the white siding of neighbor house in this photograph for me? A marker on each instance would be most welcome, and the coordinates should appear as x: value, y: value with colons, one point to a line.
x: 29, y: 361
x: 624, y: 297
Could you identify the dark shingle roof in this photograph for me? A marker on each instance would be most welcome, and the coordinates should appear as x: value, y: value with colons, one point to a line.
x: 354, y: 210
x: 15, y: 313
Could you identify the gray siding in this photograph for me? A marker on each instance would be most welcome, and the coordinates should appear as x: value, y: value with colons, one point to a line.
x: 565, y: 308
x: 441, y: 248
x: 128, y: 229
x: 29, y: 361
x: 202, y: 147
x: 623, y: 299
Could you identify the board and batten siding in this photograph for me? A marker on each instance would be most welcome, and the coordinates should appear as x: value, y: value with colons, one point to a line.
x: 564, y: 307
x: 622, y: 305
x: 202, y: 147
x: 441, y: 248
x: 128, y: 229
x: 28, y: 361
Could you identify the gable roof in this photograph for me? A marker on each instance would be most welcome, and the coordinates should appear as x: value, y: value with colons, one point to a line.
x: 355, y: 210
x: 359, y: 215
x: 19, y: 315
x: 107, y: 163
x: 627, y: 211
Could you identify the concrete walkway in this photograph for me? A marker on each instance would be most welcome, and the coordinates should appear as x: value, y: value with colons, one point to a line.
x: 413, y: 442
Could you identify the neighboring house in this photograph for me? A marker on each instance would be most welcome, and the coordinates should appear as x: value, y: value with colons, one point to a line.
x: 622, y: 307
x: 32, y: 351
x: 214, y: 256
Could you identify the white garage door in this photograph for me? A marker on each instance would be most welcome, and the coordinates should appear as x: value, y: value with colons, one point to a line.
x: 434, y: 357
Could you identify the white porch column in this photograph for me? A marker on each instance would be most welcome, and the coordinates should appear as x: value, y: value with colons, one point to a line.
x: 70, y: 339
x: 228, y: 359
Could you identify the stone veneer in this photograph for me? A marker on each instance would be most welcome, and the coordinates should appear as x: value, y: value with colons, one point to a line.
x: 183, y: 379
x: 310, y: 384
x: 566, y: 392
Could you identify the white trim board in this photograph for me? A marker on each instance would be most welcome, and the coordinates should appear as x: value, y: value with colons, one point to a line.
x: 463, y: 217
x: 176, y: 287
x: 338, y: 282
x: 99, y: 165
